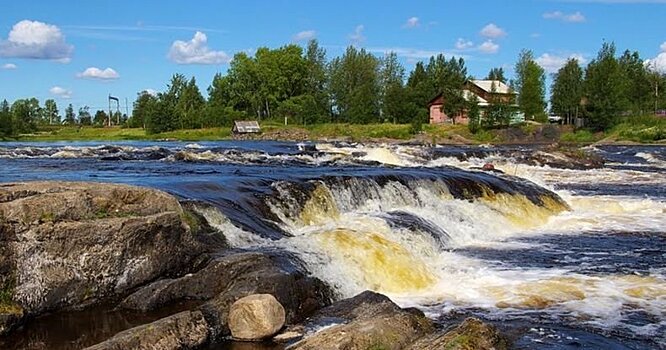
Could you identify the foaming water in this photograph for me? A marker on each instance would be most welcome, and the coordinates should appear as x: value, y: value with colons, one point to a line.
x: 574, y: 254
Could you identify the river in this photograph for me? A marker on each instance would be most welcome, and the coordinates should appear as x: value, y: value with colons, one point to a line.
x: 558, y: 258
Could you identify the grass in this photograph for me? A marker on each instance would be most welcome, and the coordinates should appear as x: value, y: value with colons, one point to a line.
x: 642, y: 129
x: 7, y: 304
x: 637, y: 129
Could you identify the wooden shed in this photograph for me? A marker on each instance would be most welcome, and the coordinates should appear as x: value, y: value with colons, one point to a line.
x: 246, y: 127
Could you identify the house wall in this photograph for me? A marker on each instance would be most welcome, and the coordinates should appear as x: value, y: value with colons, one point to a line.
x: 437, y: 116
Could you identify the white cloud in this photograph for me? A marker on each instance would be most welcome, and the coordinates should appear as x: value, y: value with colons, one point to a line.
x: 463, y: 44
x: 357, y: 36
x: 9, y: 66
x: 551, y: 63
x: 100, y: 74
x: 575, y: 17
x: 305, y: 35
x: 493, y: 31
x: 489, y: 47
x: 412, y: 22
x: 37, y: 40
x: 196, y: 51
x: 658, y: 63
x: 60, y: 92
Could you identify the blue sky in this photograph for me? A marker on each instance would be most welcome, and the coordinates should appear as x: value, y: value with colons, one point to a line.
x: 80, y: 51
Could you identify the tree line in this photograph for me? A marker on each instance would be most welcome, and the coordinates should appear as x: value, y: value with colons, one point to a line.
x: 300, y: 84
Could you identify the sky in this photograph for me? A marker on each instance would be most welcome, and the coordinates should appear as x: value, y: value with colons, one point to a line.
x: 80, y: 51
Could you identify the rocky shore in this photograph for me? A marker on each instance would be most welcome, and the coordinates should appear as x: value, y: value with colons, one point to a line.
x: 72, y: 246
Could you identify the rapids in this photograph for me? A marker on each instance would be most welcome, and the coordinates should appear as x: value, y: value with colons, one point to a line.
x: 563, y: 258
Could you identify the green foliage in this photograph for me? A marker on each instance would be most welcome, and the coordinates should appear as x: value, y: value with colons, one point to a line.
x: 530, y: 84
x: 641, y: 129
x: 70, y: 117
x: 474, y: 115
x: 604, y: 89
x: 354, y: 86
x: 579, y: 136
x: 84, y: 116
x: 6, y: 122
x: 50, y: 112
x: 567, y: 91
x: 496, y: 74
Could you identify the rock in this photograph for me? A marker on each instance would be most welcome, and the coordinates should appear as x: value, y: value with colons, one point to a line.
x: 367, y: 321
x: 71, y: 244
x: 185, y: 330
x: 263, y: 273
x: 290, y: 334
x: 472, y: 334
x: 256, y: 317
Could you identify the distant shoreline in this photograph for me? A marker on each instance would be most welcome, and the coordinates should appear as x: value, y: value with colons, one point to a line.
x: 372, y: 133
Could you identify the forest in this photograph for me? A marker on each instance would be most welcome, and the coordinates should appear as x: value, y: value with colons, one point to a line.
x: 304, y: 87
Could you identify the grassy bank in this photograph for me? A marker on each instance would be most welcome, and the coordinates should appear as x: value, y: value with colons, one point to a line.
x: 635, y: 129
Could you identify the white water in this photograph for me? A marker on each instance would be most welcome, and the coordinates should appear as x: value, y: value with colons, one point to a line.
x: 353, y: 248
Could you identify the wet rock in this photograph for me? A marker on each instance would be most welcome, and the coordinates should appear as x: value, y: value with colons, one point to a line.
x: 256, y: 317
x: 263, y: 273
x: 471, y: 334
x: 71, y: 244
x: 185, y: 330
x: 366, y: 321
x: 10, y: 317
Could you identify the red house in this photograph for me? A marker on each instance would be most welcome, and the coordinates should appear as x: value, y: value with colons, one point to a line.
x: 484, y: 90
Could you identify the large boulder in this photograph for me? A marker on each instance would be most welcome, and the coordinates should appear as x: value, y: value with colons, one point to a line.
x: 185, y: 330
x: 71, y: 244
x: 367, y: 321
x: 472, y: 334
x: 256, y: 317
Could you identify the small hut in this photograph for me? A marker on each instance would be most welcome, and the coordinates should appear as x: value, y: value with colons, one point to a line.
x: 246, y: 127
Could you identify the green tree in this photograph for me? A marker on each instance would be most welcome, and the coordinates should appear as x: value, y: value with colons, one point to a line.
x: 355, y: 86
x: 496, y: 74
x: 84, y: 116
x: 190, y: 106
x: 452, y: 83
x: 604, y: 89
x: 25, y: 114
x: 474, y: 115
x: 6, y: 123
x: 638, y: 86
x: 392, y: 94
x: 530, y: 85
x: 70, y: 117
x: 100, y: 118
x: 317, y: 82
x: 419, y: 90
x: 51, y: 115
x: 567, y: 90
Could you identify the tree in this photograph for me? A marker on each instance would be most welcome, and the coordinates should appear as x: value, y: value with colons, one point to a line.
x: 474, y: 115
x: 567, y: 90
x: 420, y: 89
x: 316, y: 82
x: 530, y: 85
x: 190, y: 106
x: 638, y: 86
x: 604, y: 89
x: 392, y: 97
x: 70, y: 117
x: 51, y: 112
x: 84, y: 116
x: 100, y: 118
x: 452, y: 85
x: 355, y: 86
x: 25, y: 113
x: 6, y: 123
x: 496, y: 74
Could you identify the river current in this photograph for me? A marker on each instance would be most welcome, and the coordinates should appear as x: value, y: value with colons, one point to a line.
x: 558, y: 258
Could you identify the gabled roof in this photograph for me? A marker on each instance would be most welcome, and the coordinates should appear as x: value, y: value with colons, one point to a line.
x: 246, y: 126
x: 487, y: 85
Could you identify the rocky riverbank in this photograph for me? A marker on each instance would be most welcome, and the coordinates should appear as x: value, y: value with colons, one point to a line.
x: 73, y: 246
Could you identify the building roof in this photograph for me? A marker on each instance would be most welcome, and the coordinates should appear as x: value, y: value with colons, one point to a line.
x: 468, y: 96
x: 246, y: 126
x: 487, y: 85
